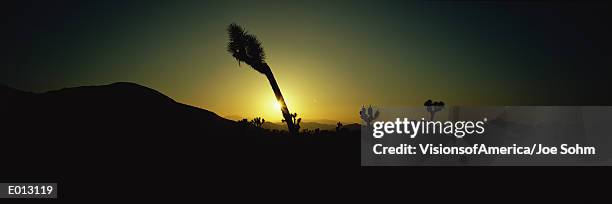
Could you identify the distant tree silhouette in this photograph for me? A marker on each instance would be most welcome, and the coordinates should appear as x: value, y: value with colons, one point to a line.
x: 338, y: 126
x: 433, y: 107
x: 243, y: 123
x: 258, y: 122
x: 247, y: 48
x: 369, y: 116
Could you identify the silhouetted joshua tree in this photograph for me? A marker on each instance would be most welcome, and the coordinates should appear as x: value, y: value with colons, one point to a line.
x: 247, y: 48
x: 296, y: 122
x: 433, y: 107
x: 338, y: 126
x: 258, y: 122
x: 369, y: 116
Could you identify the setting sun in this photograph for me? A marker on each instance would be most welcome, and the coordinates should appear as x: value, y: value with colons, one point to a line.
x: 277, y: 105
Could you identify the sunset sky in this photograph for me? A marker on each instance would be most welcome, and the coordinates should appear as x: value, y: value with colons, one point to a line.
x: 329, y: 58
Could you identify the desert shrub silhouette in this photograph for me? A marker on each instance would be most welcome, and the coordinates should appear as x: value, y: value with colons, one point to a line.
x: 258, y: 122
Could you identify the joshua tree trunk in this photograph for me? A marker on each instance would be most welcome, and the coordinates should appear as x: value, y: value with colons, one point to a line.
x: 279, y: 97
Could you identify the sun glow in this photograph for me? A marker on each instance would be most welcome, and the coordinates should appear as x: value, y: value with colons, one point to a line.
x: 277, y: 105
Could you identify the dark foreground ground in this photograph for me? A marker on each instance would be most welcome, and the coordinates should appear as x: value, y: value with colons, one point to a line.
x: 130, y: 141
x: 125, y: 142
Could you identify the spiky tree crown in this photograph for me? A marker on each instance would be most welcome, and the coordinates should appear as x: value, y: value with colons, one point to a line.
x: 434, y: 106
x: 245, y: 47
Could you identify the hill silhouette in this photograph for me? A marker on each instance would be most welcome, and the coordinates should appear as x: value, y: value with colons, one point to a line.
x: 127, y: 132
